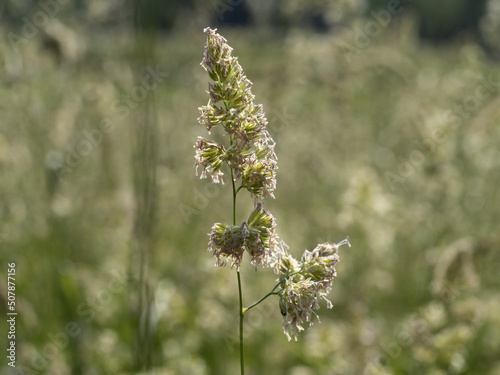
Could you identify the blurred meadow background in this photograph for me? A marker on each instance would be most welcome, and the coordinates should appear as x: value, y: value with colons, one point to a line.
x: 386, y: 116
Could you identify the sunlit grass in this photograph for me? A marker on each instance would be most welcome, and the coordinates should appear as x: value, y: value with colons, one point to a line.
x: 348, y: 124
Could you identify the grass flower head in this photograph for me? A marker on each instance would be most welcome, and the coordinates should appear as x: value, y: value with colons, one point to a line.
x: 249, y: 154
x: 305, y: 282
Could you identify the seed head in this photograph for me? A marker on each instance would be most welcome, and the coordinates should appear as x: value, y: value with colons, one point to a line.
x: 227, y: 244
x: 250, y: 153
x: 210, y: 155
x: 304, y: 283
x: 257, y: 237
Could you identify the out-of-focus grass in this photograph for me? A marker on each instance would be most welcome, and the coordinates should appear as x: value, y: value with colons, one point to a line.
x: 418, y: 285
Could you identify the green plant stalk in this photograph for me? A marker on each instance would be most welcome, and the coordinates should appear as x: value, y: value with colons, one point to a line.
x: 272, y: 292
x: 242, y: 360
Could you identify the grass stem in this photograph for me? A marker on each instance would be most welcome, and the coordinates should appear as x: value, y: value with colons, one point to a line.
x: 242, y: 360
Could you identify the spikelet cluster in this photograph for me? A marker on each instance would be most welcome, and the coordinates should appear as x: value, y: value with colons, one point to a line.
x: 250, y: 156
x: 304, y: 283
x: 250, y: 153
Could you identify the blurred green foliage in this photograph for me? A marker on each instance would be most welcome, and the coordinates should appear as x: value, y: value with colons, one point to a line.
x: 379, y: 137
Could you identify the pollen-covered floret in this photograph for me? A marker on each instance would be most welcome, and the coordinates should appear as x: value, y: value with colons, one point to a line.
x: 250, y: 152
x: 227, y: 244
x: 304, y: 283
x: 210, y: 155
x: 261, y: 245
x: 257, y: 236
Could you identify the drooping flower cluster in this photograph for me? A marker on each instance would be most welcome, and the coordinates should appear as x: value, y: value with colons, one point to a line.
x: 257, y: 236
x: 250, y: 153
x: 303, y: 283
